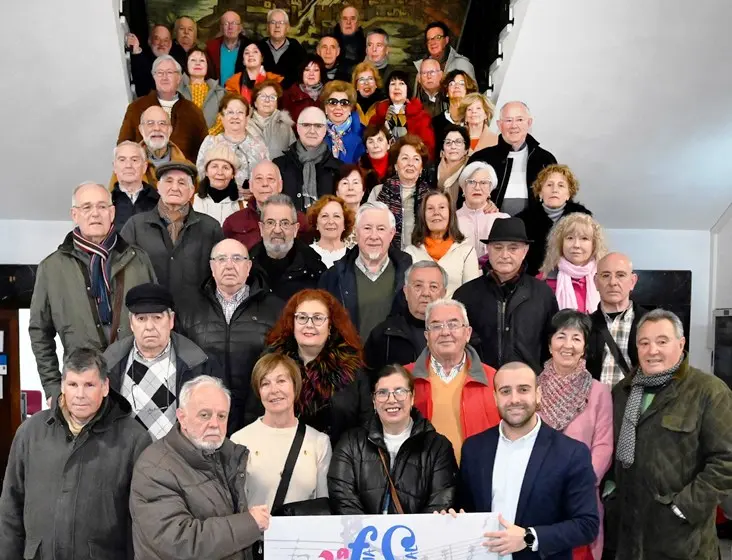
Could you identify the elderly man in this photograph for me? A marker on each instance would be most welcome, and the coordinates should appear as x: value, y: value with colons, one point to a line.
x: 308, y: 167
x: 185, y: 33
x: 188, y: 124
x: 226, y: 49
x: 188, y: 496
x: 437, y: 41
x: 243, y: 225
x: 141, y: 59
x: 80, y: 287
x: 67, y: 483
x: 377, y: 51
x: 453, y: 389
x: 517, y: 159
x: 399, y: 339
x: 177, y: 238
x: 229, y: 318
x: 351, y: 39
x: 149, y: 367
x: 611, y: 350
x: 429, y: 88
x: 509, y: 310
x: 288, y: 264
x: 673, y: 430
x: 282, y: 55
x: 366, y: 281
x: 329, y: 50
x: 130, y: 194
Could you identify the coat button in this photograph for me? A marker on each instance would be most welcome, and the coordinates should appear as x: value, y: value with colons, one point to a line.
x: 299, y: 195
x: 172, y: 258
x: 254, y: 318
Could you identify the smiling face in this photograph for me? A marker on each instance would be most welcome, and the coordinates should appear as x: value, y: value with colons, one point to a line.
x: 437, y: 214
x: 328, y: 49
x: 475, y: 114
x: 517, y: 396
x: 265, y: 181
x: 203, y: 421
x: 219, y: 173
x: 392, y: 411
x: 578, y: 245
x: 350, y: 189
x: 366, y: 83
x: 477, y: 189
x: 160, y: 41
x: 397, y: 91
x: 197, y: 65
x: 331, y: 222
x: 555, y: 191
x: 515, y: 123
x: 277, y: 391
x: 167, y: 78
x: 454, y: 148
x: 408, y: 165
x: 235, y: 117
x: 374, y: 233
x: 447, y: 343
x: 155, y: 128
x: 252, y: 57
x: 658, y: 347
x: 266, y: 102
x: 309, y: 335
x: 436, y: 42
x: 567, y: 347
x: 335, y: 109
x: 83, y: 393
x: 457, y: 88
x: 311, y: 74
x: 377, y: 146
x: 93, y: 211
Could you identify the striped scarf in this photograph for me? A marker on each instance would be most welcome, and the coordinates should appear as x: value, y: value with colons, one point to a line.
x: 100, y: 270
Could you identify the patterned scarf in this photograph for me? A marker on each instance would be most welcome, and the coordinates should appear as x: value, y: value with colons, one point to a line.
x: 396, y: 122
x: 563, y: 397
x: 100, y: 270
x: 391, y: 195
x: 312, y: 91
x: 336, y: 133
x: 309, y: 157
x: 625, y: 452
x: 174, y: 219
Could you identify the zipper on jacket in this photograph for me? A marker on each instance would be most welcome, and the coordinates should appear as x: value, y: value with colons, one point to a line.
x: 501, y: 327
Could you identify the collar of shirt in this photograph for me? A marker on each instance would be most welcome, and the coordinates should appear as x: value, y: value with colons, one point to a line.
x: 137, y: 355
x: 235, y: 48
x: 236, y: 299
x: 447, y: 376
x: 131, y: 194
x: 373, y: 276
x: 530, y: 437
x: 626, y: 314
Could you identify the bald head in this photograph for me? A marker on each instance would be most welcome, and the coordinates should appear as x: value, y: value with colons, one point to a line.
x: 266, y: 180
x: 155, y: 112
x: 230, y: 25
x: 155, y: 128
x: 512, y: 369
x: 615, y: 280
x: 515, y: 122
x: 230, y: 266
x: 311, y: 127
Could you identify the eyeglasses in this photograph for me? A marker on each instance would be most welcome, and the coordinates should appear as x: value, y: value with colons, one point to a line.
x: 430, y: 73
x: 517, y: 120
x: 457, y: 143
x: 435, y: 38
x: 342, y: 102
x: 455, y: 83
x: 166, y: 73
x: 223, y: 259
x: 400, y: 394
x: 277, y: 23
x: 451, y: 325
x: 312, y: 126
x: 365, y: 80
x: 284, y: 224
x: 231, y: 23
x: 267, y: 97
x: 232, y: 113
x: 481, y: 184
x: 317, y: 319
x: 87, y: 209
x: 161, y: 124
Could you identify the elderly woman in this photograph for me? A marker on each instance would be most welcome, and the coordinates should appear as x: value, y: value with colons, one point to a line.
x: 249, y: 150
x: 350, y: 188
x: 314, y: 330
x: 575, y: 244
x: 477, y: 215
x: 277, y: 382
x: 455, y: 86
x: 332, y: 221
x: 344, y: 128
x: 555, y: 187
x: 218, y: 195
x: 375, y: 162
x: 199, y: 85
x: 369, y: 89
x: 249, y: 71
x: 396, y: 464
x: 404, y: 190
x: 477, y: 112
x: 267, y: 123
x: 453, y: 157
x: 574, y: 403
x: 306, y: 92
x: 402, y: 115
x: 437, y: 237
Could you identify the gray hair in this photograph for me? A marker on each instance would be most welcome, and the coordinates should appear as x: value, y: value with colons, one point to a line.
x: 143, y: 155
x: 470, y: 169
x: 446, y: 302
x: 426, y: 264
x: 378, y: 31
x: 190, y: 386
x: 80, y: 186
x: 280, y: 199
x: 375, y: 206
x: 189, y: 179
x: 176, y: 25
x: 524, y: 105
x: 162, y: 58
x: 85, y: 359
x: 278, y: 11
x: 663, y: 315
x: 142, y: 115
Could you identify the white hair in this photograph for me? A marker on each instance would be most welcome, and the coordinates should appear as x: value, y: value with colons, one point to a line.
x: 279, y: 199
x: 278, y: 11
x: 80, y: 186
x: 524, y: 105
x: 470, y: 169
x: 663, y: 315
x: 446, y: 302
x: 143, y: 155
x: 426, y: 264
x: 190, y: 386
x: 375, y: 206
x: 162, y: 58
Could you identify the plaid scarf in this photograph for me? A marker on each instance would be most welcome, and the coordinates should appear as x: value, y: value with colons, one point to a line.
x: 619, y: 328
x: 100, y: 270
x: 336, y: 133
x: 174, y: 219
x: 625, y: 452
x: 563, y: 397
x: 391, y: 195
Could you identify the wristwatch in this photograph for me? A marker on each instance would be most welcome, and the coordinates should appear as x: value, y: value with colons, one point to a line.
x: 529, y: 538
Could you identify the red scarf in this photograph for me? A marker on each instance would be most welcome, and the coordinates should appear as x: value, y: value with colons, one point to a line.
x: 380, y: 165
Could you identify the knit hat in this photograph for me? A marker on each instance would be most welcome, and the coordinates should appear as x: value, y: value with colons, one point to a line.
x: 222, y: 152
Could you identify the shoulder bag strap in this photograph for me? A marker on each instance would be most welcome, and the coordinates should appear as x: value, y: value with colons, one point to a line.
x: 392, y: 488
x: 614, y: 348
x: 279, y: 500
x: 119, y: 295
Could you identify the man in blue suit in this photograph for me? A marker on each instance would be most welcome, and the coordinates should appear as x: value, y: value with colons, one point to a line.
x: 539, y: 481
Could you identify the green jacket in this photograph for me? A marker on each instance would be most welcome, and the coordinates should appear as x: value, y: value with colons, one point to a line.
x: 62, y: 304
x: 683, y: 457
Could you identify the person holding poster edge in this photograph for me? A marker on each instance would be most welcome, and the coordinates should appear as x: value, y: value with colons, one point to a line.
x: 539, y: 481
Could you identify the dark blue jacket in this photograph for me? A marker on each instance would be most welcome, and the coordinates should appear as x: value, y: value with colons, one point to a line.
x: 558, y: 496
x: 352, y: 141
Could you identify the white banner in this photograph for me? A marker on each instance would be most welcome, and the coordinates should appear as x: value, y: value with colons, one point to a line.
x: 380, y: 537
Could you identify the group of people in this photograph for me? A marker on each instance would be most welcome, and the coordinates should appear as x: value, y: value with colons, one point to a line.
x: 310, y: 296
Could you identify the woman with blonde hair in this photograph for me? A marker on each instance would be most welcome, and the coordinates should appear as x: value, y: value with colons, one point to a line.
x: 575, y: 244
x: 367, y: 82
x: 477, y: 112
x: 454, y: 87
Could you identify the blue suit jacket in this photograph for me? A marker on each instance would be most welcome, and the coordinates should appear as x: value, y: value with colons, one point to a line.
x: 558, y: 497
x: 352, y: 141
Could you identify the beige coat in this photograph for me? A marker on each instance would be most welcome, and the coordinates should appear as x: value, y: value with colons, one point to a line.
x: 460, y: 262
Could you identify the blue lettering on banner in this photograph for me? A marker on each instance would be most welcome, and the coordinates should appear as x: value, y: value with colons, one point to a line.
x: 361, y: 549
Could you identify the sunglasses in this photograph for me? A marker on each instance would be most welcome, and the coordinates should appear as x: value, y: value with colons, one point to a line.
x: 342, y: 102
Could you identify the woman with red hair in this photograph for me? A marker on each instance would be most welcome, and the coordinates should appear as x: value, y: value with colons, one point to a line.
x: 315, y: 330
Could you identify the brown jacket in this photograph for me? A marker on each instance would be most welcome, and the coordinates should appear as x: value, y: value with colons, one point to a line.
x: 683, y: 457
x: 186, y: 504
x: 189, y: 125
x: 149, y: 177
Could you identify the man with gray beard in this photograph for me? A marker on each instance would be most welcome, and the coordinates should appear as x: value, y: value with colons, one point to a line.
x: 288, y: 264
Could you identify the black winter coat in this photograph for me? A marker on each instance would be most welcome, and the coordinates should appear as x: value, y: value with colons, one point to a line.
x: 538, y: 225
x: 394, y: 341
x: 510, y: 322
x: 303, y: 273
x: 288, y: 64
x: 236, y: 345
x: 424, y: 472
x: 291, y: 170
x: 124, y: 209
x: 497, y: 157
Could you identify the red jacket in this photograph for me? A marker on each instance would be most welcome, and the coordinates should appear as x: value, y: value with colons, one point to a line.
x: 243, y: 225
x: 295, y: 100
x: 213, y: 48
x: 478, y: 410
x: 419, y: 121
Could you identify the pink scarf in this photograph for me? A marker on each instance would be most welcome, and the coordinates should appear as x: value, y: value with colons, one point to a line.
x: 565, y: 290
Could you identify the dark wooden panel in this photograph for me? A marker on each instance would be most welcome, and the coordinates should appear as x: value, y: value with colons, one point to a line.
x: 10, y: 403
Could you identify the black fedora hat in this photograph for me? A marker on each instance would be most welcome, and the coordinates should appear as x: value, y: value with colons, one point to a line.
x: 507, y: 229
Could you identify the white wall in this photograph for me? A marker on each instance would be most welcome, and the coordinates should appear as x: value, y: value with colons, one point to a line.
x: 30, y: 241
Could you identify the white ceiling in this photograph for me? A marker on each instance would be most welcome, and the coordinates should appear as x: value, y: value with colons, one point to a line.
x: 636, y: 97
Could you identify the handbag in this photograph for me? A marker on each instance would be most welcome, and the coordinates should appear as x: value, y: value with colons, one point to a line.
x: 392, y: 488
